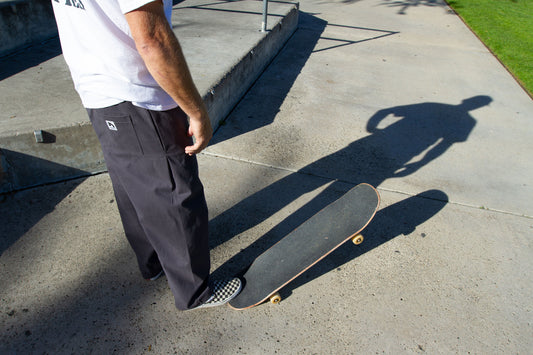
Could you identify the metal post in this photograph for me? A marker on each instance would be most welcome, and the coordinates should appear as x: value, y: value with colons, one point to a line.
x: 265, y: 14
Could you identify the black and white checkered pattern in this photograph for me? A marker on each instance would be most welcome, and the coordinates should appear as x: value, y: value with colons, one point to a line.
x: 223, y: 292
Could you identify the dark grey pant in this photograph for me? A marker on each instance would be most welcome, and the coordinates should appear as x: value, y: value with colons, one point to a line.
x: 159, y: 195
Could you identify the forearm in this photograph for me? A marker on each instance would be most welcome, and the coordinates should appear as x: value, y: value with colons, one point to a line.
x: 162, y: 54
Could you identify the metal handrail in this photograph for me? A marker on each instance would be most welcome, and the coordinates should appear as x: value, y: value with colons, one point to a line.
x: 265, y: 15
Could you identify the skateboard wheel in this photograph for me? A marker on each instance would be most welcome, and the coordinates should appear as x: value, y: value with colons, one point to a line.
x: 275, y: 298
x: 358, y: 239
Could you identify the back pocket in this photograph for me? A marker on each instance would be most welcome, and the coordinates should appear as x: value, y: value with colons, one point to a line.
x: 117, y: 135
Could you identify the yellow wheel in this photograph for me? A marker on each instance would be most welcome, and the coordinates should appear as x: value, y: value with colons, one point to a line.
x: 275, y: 298
x: 358, y: 239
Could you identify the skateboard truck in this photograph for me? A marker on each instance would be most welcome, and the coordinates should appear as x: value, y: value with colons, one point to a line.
x: 276, y: 298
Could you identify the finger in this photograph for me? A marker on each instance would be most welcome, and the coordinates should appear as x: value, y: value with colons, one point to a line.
x: 196, y: 148
x: 191, y: 149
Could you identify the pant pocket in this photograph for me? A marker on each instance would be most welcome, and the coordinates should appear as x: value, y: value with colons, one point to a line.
x: 117, y: 135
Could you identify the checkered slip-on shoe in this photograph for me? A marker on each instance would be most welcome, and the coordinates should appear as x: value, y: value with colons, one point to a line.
x: 223, y: 292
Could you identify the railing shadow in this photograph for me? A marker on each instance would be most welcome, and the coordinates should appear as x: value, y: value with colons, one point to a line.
x: 272, y: 88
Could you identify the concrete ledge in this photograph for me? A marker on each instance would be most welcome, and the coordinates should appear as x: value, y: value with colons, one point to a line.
x: 68, y: 153
x: 25, y: 22
x: 225, y: 94
x: 226, y: 53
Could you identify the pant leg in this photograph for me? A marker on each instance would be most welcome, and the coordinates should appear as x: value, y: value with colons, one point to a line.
x: 147, y: 258
x: 145, y: 151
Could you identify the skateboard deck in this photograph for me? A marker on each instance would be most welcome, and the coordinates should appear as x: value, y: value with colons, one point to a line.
x: 342, y: 220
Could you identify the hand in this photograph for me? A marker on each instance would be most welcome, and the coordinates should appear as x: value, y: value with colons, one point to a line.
x: 202, y: 132
x: 407, y: 169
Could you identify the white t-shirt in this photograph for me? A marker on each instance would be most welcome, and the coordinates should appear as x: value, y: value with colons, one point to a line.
x: 101, y: 54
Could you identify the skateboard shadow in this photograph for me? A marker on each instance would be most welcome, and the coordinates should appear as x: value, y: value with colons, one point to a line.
x: 402, y: 218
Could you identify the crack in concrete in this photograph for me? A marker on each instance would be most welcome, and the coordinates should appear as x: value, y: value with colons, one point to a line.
x: 462, y: 204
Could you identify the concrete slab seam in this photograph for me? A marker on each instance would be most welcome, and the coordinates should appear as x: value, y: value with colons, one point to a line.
x: 289, y: 170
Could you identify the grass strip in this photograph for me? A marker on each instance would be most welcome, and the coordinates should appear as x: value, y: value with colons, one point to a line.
x: 506, y: 27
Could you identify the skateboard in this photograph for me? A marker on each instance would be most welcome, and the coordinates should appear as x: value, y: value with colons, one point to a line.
x: 342, y: 220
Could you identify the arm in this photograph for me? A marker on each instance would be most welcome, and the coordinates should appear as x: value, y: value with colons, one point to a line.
x: 431, y: 155
x: 374, y: 121
x: 162, y: 54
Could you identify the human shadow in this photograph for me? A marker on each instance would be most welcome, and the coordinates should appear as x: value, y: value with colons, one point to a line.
x: 402, y: 140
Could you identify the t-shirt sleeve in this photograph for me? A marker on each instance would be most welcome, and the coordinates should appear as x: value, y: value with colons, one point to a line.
x: 130, y: 5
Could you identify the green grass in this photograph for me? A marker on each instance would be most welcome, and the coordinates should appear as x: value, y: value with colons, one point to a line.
x: 506, y: 27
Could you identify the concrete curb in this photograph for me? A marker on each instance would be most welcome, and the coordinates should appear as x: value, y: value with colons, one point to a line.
x: 225, y: 94
x: 69, y: 152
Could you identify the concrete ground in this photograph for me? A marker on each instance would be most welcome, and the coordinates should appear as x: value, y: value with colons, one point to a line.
x: 399, y: 94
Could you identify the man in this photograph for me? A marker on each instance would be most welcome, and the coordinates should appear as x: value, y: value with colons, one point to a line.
x: 129, y: 70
